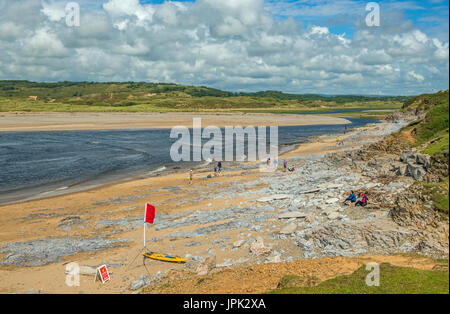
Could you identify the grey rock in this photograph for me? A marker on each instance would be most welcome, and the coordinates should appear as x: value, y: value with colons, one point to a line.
x: 45, y: 251
x: 192, y: 244
x: 140, y: 283
x: 289, y: 215
x: 289, y: 229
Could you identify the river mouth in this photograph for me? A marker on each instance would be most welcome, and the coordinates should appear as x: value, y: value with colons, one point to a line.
x: 339, y: 111
x: 35, y: 165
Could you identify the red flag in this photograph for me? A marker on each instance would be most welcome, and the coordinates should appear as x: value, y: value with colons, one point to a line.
x: 149, y: 213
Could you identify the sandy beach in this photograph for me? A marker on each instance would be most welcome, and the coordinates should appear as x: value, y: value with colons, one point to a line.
x: 44, y: 218
x: 104, y: 226
x: 239, y: 149
x: 78, y: 215
x: 109, y: 121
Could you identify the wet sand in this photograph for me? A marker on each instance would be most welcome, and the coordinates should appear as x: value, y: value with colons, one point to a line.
x: 14, y: 122
x: 44, y: 219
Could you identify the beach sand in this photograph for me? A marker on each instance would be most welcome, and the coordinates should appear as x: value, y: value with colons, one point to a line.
x: 45, y: 219
x: 109, y: 121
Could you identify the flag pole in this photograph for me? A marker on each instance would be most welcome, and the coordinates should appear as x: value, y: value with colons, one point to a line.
x: 149, y: 217
x: 145, y: 211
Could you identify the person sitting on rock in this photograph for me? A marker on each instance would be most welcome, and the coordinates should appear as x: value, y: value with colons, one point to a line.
x: 363, y: 201
x: 351, y: 198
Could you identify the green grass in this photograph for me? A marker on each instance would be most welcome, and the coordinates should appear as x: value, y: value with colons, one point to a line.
x: 176, y: 104
x: 393, y: 280
x: 436, y: 121
x: 374, y: 115
x: 162, y: 97
x: 438, y: 146
x: 431, y: 137
x: 431, y: 132
x: 165, y: 285
x: 439, y: 195
x: 426, y: 101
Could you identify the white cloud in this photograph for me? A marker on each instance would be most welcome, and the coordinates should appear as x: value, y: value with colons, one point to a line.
x: 45, y: 44
x: 415, y: 76
x: 319, y: 30
x: 232, y: 45
x: 54, y: 10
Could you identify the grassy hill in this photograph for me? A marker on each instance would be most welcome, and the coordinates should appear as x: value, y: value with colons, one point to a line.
x: 160, y: 97
x: 431, y: 137
x: 430, y: 133
x: 393, y: 280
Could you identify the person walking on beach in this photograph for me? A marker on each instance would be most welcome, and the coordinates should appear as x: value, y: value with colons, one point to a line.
x: 219, y: 167
x: 285, y: 165
x: 190, y: 177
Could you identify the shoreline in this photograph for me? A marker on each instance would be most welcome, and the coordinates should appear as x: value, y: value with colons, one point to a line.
x: 114, y: 213
x: 201, y: 168
x: 67, y: 189
x: 47, y: 122
x: 294, y: 150
x: 61, y: 191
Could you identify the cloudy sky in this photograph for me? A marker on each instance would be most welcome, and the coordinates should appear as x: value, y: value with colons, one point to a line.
x: 298, y: 46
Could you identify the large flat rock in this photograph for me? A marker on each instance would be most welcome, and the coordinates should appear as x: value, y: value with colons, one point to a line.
x: 273, y: 197
x: 333, y: 200
x: 333, y: 215
x: 289, y: 215
x: 289, y: 229
x: 310, y: 191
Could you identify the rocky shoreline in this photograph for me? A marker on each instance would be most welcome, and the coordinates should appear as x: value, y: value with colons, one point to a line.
x: 281, y: 217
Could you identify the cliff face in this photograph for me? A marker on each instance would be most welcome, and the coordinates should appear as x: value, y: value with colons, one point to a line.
x: 416, y: 207
x: 420, y: 151
x: 424, y: 205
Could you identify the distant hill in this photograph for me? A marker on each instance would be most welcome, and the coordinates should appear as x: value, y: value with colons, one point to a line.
x: 142, y: 96
x: 425, y: 102
x: 335, y: 98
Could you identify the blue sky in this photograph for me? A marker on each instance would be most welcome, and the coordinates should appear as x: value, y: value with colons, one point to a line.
x: 429, y: 15
x: 296, y: 46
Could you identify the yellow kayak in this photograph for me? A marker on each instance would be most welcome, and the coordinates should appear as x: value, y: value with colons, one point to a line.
x: 164, y: 257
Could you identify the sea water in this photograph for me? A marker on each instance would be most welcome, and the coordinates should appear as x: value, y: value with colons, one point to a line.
x: 41, y: 164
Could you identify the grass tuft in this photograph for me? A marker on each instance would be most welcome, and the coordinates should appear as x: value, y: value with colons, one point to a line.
x: 393, y: 280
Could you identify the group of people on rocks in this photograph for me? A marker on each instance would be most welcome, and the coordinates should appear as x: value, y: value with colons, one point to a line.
x: 358, y: 201
x: 218, y: 169
x: 285, y: 165
x: 217, y: 172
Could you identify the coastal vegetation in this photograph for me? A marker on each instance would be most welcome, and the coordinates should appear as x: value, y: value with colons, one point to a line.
x: 430, y: 136
x: 393, y: 280
x: 28, y: 96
